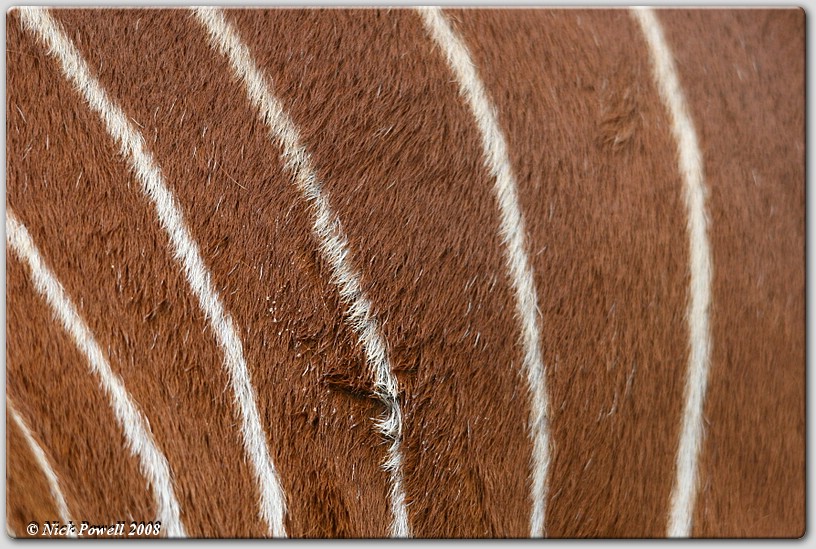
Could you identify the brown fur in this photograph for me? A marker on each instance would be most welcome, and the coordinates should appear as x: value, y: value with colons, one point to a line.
x: 603, y: 199
x: 25, y: 484
x: 399, y: 155
x: 751, y: 124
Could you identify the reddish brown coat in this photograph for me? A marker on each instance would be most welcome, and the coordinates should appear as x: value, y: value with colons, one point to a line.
x: 400, y: 158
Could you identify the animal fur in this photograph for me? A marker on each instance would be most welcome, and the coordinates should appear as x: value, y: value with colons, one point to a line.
x: 400, y: 160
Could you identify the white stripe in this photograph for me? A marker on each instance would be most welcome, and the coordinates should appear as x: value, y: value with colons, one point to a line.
x: 45, y: 465
x: 131, y: 143
x: 512, y: 235
x: 691, y: 169
x: 332, y: 242
x: 137, y: 432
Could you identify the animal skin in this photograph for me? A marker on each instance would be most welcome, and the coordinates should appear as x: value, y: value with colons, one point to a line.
x: 363, y: 273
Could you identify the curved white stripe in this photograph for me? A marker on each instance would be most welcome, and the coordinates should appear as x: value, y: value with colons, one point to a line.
x: 332, y: 242
x: 137, y: 432
x: 45, y: 465
x: 512, y: 235
x: 691, y: 168
x: 131, y: 143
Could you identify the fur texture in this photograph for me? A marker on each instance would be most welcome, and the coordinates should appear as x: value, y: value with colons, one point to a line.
x: 401, y: 161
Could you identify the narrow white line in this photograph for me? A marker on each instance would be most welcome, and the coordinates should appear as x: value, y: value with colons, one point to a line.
x: 137, y: 432
x: 512, y: 234
x: 691, y: 168
x: 272, y: 500
x: 332, y: 242
x: 45, y: 465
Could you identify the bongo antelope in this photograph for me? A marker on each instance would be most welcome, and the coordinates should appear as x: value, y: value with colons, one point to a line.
x: 411, y: 273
